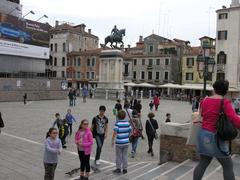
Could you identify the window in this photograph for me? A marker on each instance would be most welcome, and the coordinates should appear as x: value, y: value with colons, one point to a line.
x: 74, y: 75
x: 126, y: 69
x: 223, y: 16
x: 51, y: 61
x: 150, y: 62
x: 142, y: 75
x: 220, y: 76
x: 157, y: 75
x: 63, y: 74
x: 158, y: 62
x: 222, y: 35
x: 68, y: 75
x: 55, y: 61
x: 88, y: 75
x: 75, y: 62
x: 64, y: 47
x: 189, y: 76
x: 134, y: 75
x: 68, y: 62
x: 143, y: 62
x: 134, y: 62
x: 92, y: 75
x: 88, y: 62
x: 93, y: 61
x: 221, y: 58
x: 150, y: 75
x: 51, y: 47
x: 151, y: 48
x: 63, y: 61
x: 51, y: 36
x: 166, y: 62
x: 166, y: 76
x: 190, y: 62
x: 79, y: 62
x: 78, y: 75
x: 55, y: 47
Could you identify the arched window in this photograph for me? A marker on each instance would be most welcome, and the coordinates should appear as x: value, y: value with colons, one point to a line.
x: 55, y: 61
x: 221, y: 58
x: 63, y: 61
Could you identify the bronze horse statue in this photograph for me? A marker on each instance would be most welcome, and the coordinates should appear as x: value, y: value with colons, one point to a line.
x: 117, y: 38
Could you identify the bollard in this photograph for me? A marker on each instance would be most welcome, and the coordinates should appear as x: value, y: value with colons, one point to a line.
x: 132, y: 93
x: 150, y: 94
x: 136, y: 94
x: 141, y: 94
x: 106, y: 95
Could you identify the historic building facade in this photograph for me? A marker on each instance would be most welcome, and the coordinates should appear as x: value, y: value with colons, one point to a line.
x: 66, y: 38
x: 227, y: 44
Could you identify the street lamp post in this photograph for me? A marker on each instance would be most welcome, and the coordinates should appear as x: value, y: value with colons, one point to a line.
x: 205, y: 64
x: 44, y: 16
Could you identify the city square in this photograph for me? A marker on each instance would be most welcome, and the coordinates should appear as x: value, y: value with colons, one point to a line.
x: 129, y: 90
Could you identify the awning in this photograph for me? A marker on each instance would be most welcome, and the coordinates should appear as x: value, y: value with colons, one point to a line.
x: 170, y: 85
x: 146, y: 85
x: 130, y: 84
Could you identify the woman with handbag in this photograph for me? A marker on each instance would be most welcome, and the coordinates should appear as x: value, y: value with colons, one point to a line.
x: 151, y: 130
x: 210, y: 145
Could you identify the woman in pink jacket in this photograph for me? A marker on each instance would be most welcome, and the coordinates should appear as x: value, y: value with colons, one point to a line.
x: 84, y: 142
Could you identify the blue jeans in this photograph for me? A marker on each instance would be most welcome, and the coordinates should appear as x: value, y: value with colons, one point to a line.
x: 99, y: 140
x: 134, y: 144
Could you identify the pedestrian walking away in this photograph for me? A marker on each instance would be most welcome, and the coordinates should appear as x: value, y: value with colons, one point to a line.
x: 84, y: 142
x: 99, y: 130
x: 156, y: 102
x: 70, y: 120
x: 53, y: 148
x: 209, y: 144
x: 136, y: 132
x: 151, y: 128
x: 25, y: 98
x: 71, y: 97
x: 1, y: 122
x: 120, y: 139
x: 151, y: 106
x: 85, y: 94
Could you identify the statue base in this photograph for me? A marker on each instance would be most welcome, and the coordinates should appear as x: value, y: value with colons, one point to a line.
x: 110, y: 84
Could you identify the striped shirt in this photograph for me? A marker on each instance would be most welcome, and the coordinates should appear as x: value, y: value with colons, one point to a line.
x: 123, y: 129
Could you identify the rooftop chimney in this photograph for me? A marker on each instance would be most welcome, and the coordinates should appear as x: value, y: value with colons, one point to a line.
x: 140, y: 38
x: 89, y: 31
x: 235, y: 3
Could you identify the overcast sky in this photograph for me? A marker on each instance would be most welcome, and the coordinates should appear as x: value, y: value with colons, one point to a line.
x: 183, y: 19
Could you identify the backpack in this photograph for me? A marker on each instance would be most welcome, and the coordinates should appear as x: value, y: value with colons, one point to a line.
x: 226, y: 131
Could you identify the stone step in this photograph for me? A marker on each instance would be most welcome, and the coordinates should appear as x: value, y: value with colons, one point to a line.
x: 176, y: 171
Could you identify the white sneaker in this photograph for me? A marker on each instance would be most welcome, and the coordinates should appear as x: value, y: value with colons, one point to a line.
x: 97, y: 162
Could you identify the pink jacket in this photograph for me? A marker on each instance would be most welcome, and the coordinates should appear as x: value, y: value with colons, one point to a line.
x: 87, y: 140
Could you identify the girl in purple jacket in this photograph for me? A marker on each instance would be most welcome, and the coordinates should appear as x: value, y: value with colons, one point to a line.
x: 84, y: 142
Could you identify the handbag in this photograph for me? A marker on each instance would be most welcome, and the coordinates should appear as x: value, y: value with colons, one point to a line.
x: 156, y: 134
x: 226, y: 131
x: 195, y: 126
x: 135, y: 132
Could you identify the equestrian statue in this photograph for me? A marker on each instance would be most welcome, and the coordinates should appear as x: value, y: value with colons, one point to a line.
x: 115, y: 37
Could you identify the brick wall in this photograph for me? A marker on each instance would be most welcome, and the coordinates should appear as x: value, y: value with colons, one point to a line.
x: 13, y: 89
x: 173, y: 147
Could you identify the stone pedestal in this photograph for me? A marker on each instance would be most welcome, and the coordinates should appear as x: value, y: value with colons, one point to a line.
x: 110, y: 85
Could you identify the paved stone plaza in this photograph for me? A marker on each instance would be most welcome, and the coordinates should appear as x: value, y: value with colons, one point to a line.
x: 21, y: 149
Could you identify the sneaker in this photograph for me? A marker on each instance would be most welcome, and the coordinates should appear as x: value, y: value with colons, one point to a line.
x: 97, y: 162
x: 64, y: 147
x: 152, y: 154
x: 133, y: 155
x: 125, y: 171
x: 117, y: 171
x: 149, y: 151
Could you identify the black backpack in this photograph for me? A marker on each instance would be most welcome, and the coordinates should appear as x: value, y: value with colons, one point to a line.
x: 226, y: 131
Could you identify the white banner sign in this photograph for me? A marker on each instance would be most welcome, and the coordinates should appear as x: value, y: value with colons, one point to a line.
x: 19, y: 49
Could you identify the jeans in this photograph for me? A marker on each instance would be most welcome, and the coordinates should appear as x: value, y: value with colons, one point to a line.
x: 84, y: 161
x: 70, y: 129
x: 74, y: 101
x: 70, y: 102
x: 122, y: 157
x: 49, y: 171
x: 134, y: 144
x: 99, y: 140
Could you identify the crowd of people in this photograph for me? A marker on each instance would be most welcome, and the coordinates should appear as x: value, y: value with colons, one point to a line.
x: 128, y: 129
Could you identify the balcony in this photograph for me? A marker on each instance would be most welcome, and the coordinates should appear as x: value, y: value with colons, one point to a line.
x: 149, y: 67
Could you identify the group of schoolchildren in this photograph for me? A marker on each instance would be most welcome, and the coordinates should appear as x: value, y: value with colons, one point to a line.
x: 127, y: 129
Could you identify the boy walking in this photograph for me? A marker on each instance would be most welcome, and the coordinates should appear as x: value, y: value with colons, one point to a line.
x: 120, y: 138
x: 99, y: 130
x: 58, y: 121
x: 70, y: 119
